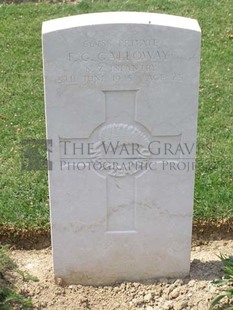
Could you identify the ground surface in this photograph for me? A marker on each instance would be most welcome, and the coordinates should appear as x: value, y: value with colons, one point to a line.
x: 194, y: 293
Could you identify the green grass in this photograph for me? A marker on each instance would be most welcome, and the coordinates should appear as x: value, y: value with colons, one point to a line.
x: 24, y: 195
x: 227, y: 283
x: 9, y: 298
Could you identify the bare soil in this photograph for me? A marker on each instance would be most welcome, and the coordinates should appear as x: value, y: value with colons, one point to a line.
x: 193, y: 293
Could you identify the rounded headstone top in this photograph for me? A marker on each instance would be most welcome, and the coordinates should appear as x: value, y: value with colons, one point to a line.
x: 120, y: 18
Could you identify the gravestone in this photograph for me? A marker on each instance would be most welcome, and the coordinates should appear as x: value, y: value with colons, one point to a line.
x: 121, y: 95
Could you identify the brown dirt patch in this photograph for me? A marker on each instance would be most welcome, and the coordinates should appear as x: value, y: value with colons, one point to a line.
x: 193, y: 293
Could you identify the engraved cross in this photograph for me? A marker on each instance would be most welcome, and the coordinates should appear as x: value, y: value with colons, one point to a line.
x: 121, y: 148
x: 122, y: 129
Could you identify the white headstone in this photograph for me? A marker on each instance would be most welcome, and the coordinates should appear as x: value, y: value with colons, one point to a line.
x: 121, y: 94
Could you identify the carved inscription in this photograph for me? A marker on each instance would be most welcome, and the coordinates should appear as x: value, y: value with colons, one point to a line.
x: 98, y: 62
x: 119, y: 56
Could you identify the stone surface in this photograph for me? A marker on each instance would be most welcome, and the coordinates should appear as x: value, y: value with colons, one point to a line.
x: 121, y: 92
